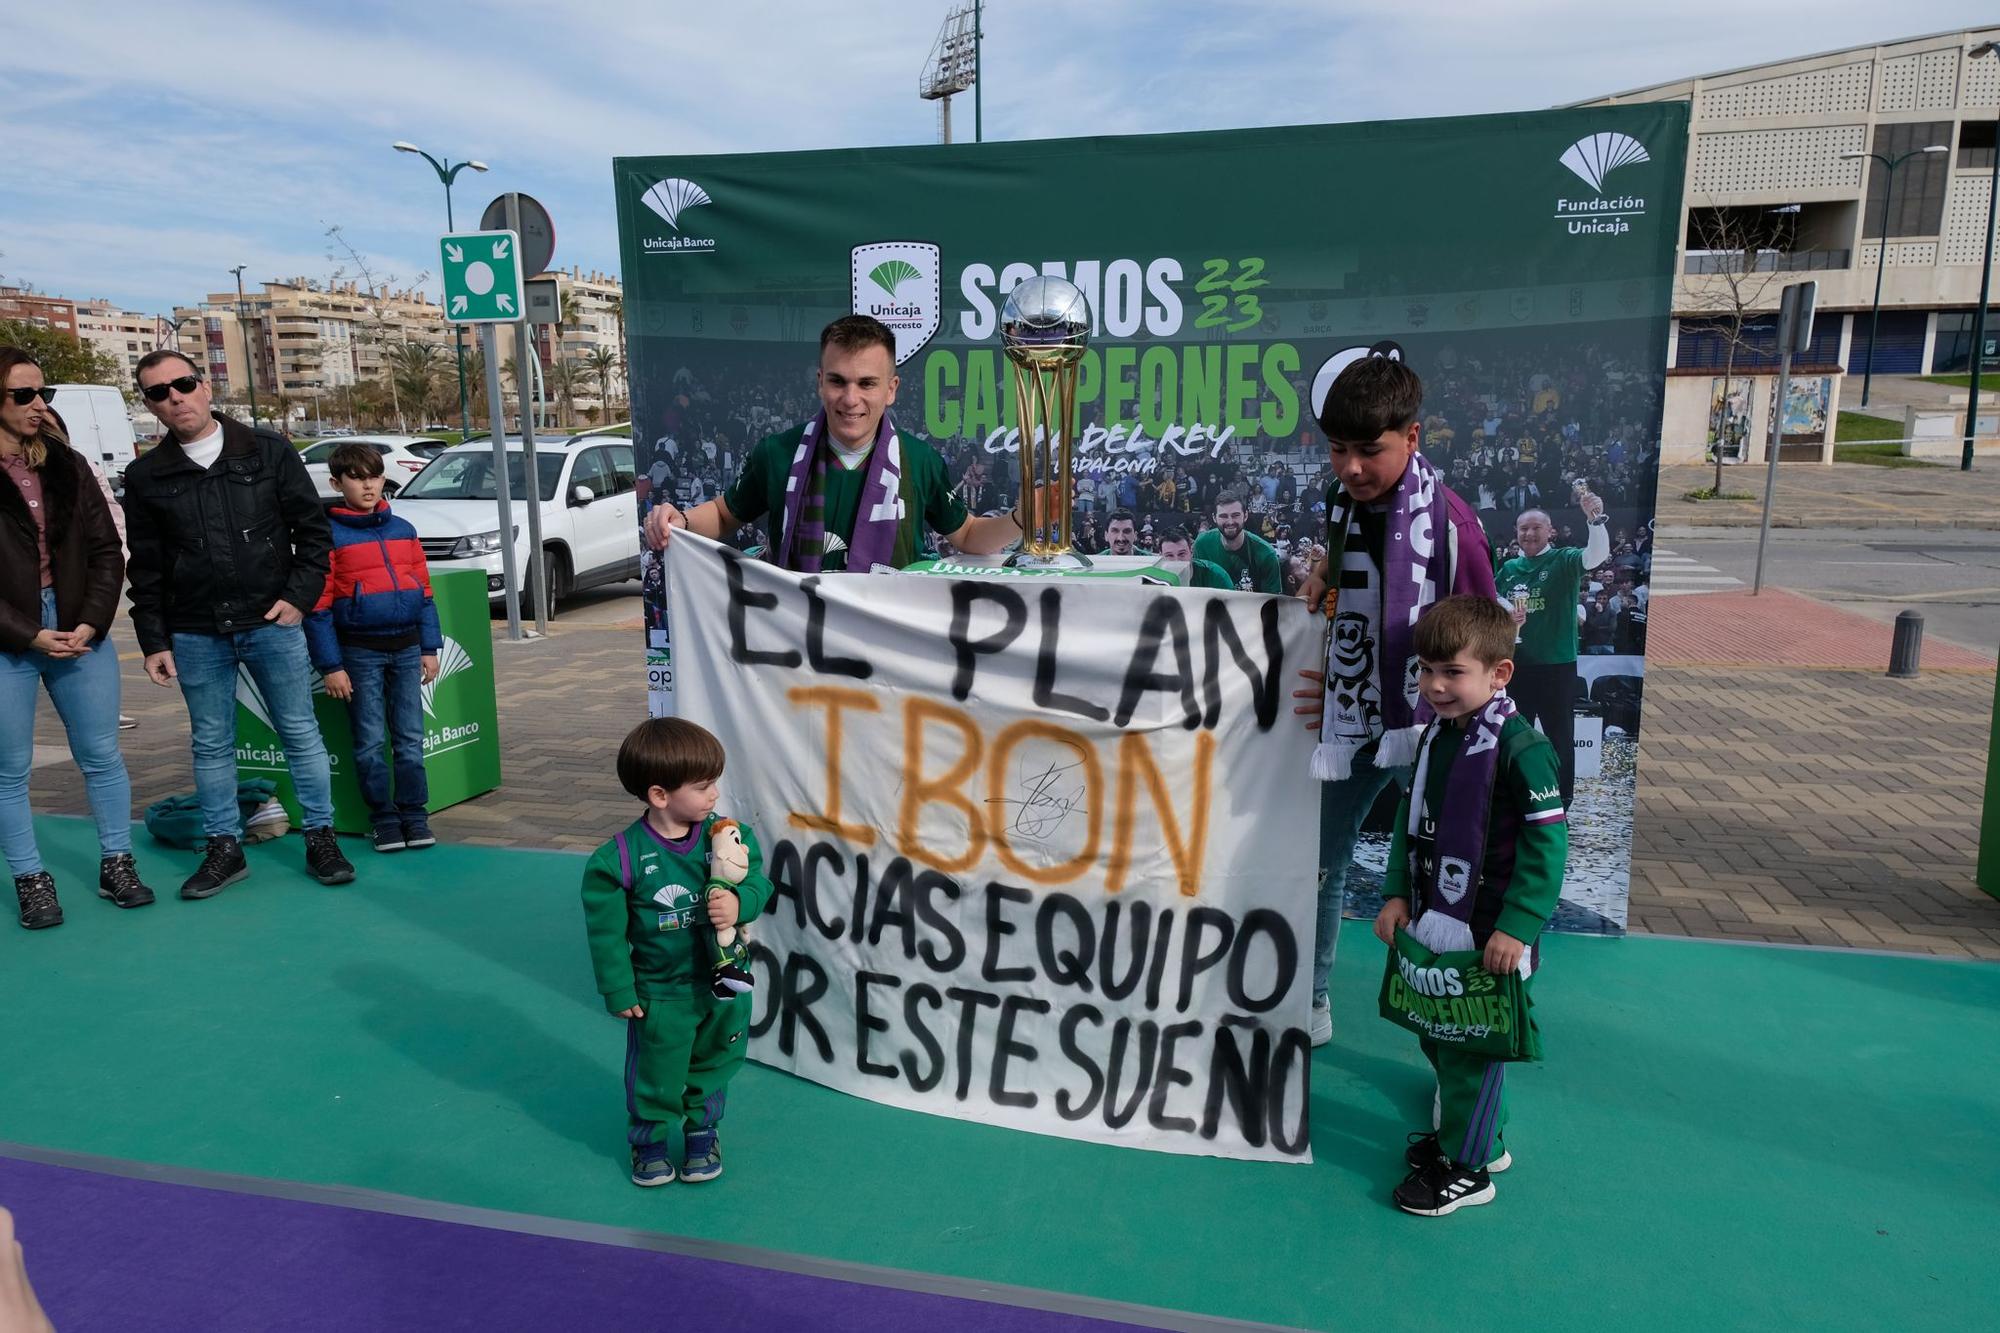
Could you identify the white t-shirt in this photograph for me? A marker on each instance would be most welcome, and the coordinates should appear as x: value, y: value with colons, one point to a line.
x: 204, y: 451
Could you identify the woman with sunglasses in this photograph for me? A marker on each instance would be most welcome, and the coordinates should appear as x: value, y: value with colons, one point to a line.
x: 60, y: 574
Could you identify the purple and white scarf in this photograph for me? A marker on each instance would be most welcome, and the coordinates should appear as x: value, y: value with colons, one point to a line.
x: 1371, y: 679
x: 1445, y: 884
x: 877, y: 522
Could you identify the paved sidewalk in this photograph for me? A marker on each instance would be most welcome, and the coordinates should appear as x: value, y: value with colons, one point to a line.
x: 1788, y: 791
x: 1836, y: 495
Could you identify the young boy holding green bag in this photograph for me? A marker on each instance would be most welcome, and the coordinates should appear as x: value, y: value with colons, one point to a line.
x: 1476, y: 863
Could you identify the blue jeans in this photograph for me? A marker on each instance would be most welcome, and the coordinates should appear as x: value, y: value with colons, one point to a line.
x: 273, y: 657
x: 85, y: 691
x: 1342, y: 807
x: 388, y: 696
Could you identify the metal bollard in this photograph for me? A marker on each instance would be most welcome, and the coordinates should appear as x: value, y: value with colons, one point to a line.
x: 1907, y: 646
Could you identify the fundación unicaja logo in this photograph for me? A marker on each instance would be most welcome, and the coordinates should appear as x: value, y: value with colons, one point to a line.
x: 669, y: 199
x: 1592, y: 159
x: 897, y: 283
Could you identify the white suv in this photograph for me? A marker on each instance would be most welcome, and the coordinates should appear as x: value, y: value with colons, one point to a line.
x: 590, y: 515
x: 403, y: 456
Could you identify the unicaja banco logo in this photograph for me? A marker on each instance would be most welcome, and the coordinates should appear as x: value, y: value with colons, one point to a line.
x: 1591, y: 159
x: 452, y: 659
x: 1596, y: 156
x: 669, y: 199
x: 897, y: 283
x: 893, y: 273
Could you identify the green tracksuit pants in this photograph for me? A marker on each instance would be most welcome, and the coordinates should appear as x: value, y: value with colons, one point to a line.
x: 1472, y: 1103
x: 679, y: 1059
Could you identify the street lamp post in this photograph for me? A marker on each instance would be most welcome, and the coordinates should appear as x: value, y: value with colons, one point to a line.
x: 1985, y: 279
x: 1889, y: 165
x: 446, y: 173
x: 249, y: 357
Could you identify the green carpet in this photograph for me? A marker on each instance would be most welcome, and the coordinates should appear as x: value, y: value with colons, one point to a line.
x: 1723, y: 1137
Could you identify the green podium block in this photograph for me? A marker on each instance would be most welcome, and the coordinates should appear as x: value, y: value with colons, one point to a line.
x: 461, y: 719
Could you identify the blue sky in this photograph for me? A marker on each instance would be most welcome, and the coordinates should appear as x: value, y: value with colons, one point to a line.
x: 154, y: 147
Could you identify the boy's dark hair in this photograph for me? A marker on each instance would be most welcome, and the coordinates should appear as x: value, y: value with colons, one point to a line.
x: 353, y: 459
x: 1374, y: 395
x: 1229, y: 497
x: 672, y: 752
x: 854, y: 333
x: 154, y: 357
x: 1174, y: 534
x: 1465, y: 624
x: 1121, y: 516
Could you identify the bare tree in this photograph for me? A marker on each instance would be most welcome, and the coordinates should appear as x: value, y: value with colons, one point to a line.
x: 375, y: 328
x: 1741, y: 276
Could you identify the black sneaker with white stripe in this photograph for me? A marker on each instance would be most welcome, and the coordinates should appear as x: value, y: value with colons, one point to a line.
x: 1440, y: 1188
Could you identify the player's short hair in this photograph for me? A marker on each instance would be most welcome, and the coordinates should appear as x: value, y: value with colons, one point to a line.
x: 1465, y: 624
x: 669, y: 752
x: 1121, y: 516
x: 854, y: 333
x: 1374, y: 395
x: 1174, y: 534
x: 1229, y: 497
x: 353, y: 459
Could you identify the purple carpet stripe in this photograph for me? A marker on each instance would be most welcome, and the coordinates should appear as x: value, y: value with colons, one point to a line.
x: 263, y: 1262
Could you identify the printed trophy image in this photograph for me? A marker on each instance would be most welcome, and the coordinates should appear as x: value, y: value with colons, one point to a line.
x: 1044, y: 328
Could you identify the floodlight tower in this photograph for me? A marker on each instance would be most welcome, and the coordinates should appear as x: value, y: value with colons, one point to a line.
x: 953, y: 65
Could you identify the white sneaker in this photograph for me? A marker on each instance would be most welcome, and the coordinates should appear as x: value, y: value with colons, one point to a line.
x: 1322, y: 1024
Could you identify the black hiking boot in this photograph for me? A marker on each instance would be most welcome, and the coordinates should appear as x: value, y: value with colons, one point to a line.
x: 39, y: 908
x: 118, y: 879
x: 323, y: 859
x: 221, y: 865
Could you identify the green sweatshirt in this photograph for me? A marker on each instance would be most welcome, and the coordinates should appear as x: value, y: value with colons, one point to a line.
x: 1527, y: 836
x: 653, y: 941
x: 1252, y: 567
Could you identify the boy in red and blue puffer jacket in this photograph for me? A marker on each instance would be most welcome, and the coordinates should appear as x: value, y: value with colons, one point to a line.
x: 374, y: 636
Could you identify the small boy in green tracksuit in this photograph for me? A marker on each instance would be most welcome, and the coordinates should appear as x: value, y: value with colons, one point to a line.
x: 657, y: 898
x: 1479, y: 867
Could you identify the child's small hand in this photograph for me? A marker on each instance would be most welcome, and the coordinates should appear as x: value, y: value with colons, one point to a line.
x: 723, y: 909
x: 338, y: 686
x: 1503, y: 954
x: 636, y: 1011
x: 1395, y: 914
x: 1314, y: 695
x: 429, y: 670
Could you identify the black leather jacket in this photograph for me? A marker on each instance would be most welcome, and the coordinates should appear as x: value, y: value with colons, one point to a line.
x: 212, y: 550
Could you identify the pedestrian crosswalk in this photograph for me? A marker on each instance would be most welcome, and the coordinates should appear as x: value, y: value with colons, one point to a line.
x: 1679, y: 575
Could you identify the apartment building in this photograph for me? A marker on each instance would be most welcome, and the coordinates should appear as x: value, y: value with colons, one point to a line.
x: 1792, y: 161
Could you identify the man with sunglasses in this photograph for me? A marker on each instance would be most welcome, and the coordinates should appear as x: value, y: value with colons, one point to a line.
x: 229, y: 550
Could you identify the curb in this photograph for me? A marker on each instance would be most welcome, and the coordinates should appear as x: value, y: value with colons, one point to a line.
x: 1723, y: 521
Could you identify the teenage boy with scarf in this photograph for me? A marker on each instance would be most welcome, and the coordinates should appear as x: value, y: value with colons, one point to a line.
x: 1399, y: 540
x: 847, y: 491
x: 1477, y: 860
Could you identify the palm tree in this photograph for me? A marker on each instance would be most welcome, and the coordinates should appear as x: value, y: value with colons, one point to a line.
x: 601, y: 362
x: 413, y: 373
x: 563, y: 377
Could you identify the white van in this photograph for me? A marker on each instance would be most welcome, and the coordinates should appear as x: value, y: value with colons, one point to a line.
x: 100, y: 425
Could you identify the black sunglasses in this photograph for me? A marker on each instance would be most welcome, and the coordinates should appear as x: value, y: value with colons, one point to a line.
x: 185, y: 385
x: 22, y: 397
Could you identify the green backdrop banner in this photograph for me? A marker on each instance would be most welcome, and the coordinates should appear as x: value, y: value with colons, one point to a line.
x: 1523, y: 265
x: 461, y: 725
